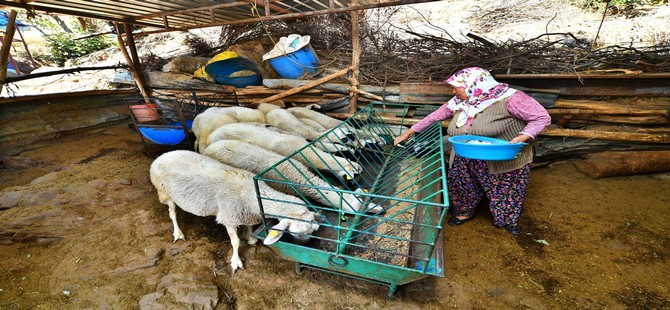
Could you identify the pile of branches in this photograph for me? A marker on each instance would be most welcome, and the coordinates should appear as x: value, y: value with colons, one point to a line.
x: 429, y: 57
x: 389, y: 58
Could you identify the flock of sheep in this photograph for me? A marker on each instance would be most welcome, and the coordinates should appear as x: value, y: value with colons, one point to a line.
x: 233, y: 144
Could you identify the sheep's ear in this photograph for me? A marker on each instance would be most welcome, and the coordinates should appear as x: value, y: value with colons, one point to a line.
x: 276, y: 232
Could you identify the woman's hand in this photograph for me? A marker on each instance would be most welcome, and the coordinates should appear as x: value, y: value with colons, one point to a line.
x: 403, y: 137
x: 521, y: 138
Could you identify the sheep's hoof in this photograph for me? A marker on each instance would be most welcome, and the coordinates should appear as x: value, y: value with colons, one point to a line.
x: 236, y: 265
x: 178, y: 237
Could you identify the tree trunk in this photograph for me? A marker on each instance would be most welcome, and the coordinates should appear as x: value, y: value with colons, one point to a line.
x: 610, y: 164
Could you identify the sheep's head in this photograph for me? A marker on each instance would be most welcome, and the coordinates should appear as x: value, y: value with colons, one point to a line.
x: 349, y: 171
x: 354, y: 203
x: 341, y: 135
x: 301, y: 230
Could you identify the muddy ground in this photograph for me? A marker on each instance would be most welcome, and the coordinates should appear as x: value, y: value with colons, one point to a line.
x: 81, y: 227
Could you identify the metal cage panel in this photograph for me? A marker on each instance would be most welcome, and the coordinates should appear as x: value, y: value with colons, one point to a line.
x: 395, y: 246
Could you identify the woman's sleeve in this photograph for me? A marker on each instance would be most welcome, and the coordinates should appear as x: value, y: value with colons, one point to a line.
x: 527, y: 109
x: 438, y: 115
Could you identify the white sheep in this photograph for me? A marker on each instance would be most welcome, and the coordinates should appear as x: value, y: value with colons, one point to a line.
x: 256, y: 159
x: 204, y: 186
x: 358, y: 137
x: 324, y: 120
x: 311, y: 123
x: 287, y: 145
x: 215, y: 117
x: 333, y: 141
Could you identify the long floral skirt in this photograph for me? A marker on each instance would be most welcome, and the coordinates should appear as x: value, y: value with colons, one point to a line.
x: 468, y: 180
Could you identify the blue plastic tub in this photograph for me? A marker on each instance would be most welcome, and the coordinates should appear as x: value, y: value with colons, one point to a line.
x: 166, y: 136
x: 302, y: 62
x: 485, y: 148
x: 222, y: 69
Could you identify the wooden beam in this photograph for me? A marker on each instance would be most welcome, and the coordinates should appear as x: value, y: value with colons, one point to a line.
x: 607, y: 135
x: 599, y: 107
x: 304, y: 87
x: 6, y: 46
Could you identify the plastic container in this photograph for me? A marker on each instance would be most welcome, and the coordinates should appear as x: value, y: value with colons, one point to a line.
x: 222, y: 70
x: 301, y: 63
x: 485, y: 148
x: 166, y: 136
x: 144, y: 112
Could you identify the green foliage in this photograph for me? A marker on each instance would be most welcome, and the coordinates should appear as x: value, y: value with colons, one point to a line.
x: 63, y: 47
x: 617, y: 6
x: 60, y: 34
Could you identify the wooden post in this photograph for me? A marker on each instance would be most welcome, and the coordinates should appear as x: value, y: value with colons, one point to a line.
x: 355, y: 60
x: 6, y: 45
x: 137, y: 75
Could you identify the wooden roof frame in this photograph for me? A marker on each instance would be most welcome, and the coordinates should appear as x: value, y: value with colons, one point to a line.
x: 178, y: 15
x: 156, y: 16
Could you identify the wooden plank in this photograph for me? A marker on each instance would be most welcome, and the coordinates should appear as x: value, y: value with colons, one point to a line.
x: 607, y: 135
x: 425, y: 93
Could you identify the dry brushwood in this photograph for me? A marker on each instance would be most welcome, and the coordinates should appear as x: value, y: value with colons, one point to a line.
x: 389, y: 58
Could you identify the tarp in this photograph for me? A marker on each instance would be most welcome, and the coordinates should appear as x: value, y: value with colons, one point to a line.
x: 4, y: 19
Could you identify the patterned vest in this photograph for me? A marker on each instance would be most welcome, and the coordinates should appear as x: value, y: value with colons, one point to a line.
x: 495, y: 122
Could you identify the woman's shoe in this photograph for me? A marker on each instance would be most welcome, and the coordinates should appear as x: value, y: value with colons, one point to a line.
x: 513, y: 229
x: 454, y: 221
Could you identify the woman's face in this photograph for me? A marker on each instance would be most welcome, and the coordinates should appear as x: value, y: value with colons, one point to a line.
x: 460, y: 92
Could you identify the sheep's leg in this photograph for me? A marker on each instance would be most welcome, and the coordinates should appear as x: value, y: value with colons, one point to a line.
x: 235, y: 261
x: 250, y: 239
x: 172, y: 208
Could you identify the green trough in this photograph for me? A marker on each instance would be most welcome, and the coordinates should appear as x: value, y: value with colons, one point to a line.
x: 397, y: 246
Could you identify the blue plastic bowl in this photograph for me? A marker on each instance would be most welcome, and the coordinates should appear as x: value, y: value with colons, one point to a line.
x: 485, y: 148
x: 165, y: 136
x: 222, y: 69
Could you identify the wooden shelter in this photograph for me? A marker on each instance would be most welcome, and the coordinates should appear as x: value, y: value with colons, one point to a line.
x: 567, y: 90
x: 165, y: 16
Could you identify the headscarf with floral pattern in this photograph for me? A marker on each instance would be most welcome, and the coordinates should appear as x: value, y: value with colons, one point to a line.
x: 482, y: 90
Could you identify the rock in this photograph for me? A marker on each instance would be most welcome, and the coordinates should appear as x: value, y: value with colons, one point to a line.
x: 19, y: 162
x: 45, y: 227
x: 10, y: 199
x: 183, y: 291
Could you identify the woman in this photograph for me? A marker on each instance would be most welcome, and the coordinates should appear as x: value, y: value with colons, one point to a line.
x: 483, y: 106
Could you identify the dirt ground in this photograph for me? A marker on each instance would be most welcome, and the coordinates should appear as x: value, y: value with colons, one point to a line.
x: 81, y: 227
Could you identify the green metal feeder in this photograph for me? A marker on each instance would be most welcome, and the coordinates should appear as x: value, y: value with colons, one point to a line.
x: 400, y: 245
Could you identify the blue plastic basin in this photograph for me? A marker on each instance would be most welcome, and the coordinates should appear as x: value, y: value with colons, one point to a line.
x: 485, y: 148
x: 222, y: 69
x: 165, y: 136
x: 302, y: 62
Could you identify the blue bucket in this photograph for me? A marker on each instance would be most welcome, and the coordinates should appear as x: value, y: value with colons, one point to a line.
x: 222, y: 69
x: 302, y: 62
